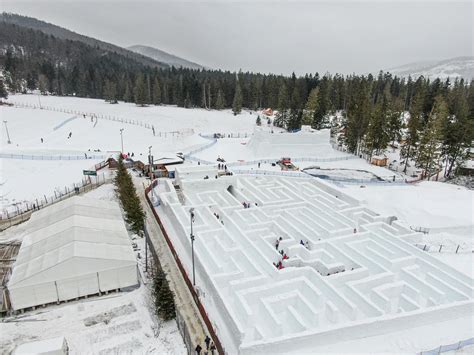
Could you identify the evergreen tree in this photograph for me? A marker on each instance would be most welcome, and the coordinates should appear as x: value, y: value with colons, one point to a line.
x: 43, y: 84
x: 458, y: 128
x: 167, y: 309
x: 311, y: 107
x: 128, y: 197
x: 358, y: 113
x: 156, y: 92
x: 377, y: 136
x: 158, y: 280
x: 127, y: 95
x: 220, y: 103
x: 429, y: 147
x: 258, y: 121
x: 410, y: 146
x: 110, y: 92
x: 3, y: 89
x: 140, y: 91
x: 237, y: 103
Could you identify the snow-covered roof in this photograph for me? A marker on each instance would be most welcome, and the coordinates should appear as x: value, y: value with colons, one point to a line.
x: 48, y: 346
x: 72, y: 238
x: 165, y: 161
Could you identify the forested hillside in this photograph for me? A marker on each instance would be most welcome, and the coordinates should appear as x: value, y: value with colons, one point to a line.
x: 63, y: 33
x: 442, y: 112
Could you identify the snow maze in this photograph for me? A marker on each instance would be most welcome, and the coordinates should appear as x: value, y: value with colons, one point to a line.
x: 358, y: 274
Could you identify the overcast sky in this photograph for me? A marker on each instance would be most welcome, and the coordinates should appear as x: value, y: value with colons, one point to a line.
x: 273, y: 36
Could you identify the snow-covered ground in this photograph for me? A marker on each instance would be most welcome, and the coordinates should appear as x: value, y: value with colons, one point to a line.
x: 446, y: 210
x: 111, y: 324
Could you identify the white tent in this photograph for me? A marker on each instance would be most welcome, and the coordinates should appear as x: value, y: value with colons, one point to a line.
x: 74, y: 250
x: 55, y: 346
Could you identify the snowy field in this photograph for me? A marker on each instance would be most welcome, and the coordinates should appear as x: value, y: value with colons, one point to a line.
x: 111, y: 324
x: 446, y: 210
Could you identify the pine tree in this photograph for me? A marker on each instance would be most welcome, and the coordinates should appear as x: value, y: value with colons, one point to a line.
x: 410, y: 146
x: 458, y: 129
x: 237, y: 103
x: 166, y: 306
x: 43, y: 84
x: 358, y: 113
x: 429, y: 147
x: 156, y: 92
x: 110, y: 92
x: 258, y: 122
x: 127, y: 94
x: 311, y: 107
x: 158, y: 280
x: 3, y: 89
x: 220, y: 103
x: 140, y: 91
x: 377, y: 136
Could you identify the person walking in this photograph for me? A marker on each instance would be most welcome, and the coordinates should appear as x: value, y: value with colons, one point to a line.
x: 198, y: 349
x: 213, y: 348
x: 207, y: 341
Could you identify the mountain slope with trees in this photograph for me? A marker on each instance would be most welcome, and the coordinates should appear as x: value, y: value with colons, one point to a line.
x: 62, y: 33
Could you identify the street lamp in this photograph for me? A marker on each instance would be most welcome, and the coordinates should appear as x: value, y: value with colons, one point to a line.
x: 121, y: 137
x: 191, y: 214
x: 8, y: 134
x: 150, y: 162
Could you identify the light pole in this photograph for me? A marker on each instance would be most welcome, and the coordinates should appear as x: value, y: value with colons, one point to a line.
x: 121, y: 137
x: 8, y: 134
x: 191, y: 214
x: 150, y: 162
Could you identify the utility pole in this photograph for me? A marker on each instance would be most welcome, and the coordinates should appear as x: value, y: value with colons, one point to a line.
x: 8, y: 134
x: 191, y: 214
x: 121, y: 137
x: 150, y: 162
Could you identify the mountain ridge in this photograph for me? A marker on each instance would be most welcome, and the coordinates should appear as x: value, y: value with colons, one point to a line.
x: 164, y: 57
x: 462, y: 67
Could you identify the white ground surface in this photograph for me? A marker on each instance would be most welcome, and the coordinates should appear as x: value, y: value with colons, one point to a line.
x: 113, y: 324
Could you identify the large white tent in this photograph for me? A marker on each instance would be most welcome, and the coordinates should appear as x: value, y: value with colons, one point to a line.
x: 75, y: 248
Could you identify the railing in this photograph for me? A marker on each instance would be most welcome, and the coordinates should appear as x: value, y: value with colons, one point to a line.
x: 449, y: 347
x: 225, y: 135
x: 51, y: 157
x: 302, y: 159
x: 21, y: 212
x: 305, y: 175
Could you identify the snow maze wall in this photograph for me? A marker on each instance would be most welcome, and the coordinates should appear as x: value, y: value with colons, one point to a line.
x: 342, y: 286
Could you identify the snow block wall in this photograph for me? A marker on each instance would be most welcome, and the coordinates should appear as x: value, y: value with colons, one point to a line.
x: 349, y: 274
x: 311, y: 141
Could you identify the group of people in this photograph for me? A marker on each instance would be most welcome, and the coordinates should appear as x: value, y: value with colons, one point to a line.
x: 219, y: 218
x: 210, y: 347
x: 279, y: 265
x: 222, y: 166
x: 247, y: 204
x: 305, y: 244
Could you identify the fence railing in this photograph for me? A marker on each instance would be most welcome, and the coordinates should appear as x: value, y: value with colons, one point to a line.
x: 301, y: 159
x: 51, y: 157
x: 443, y: 248
x: 96, y: 116
x: 226, y: 135
x: 21, y: 211
x: 449, y: 347
x: 305, y: 175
